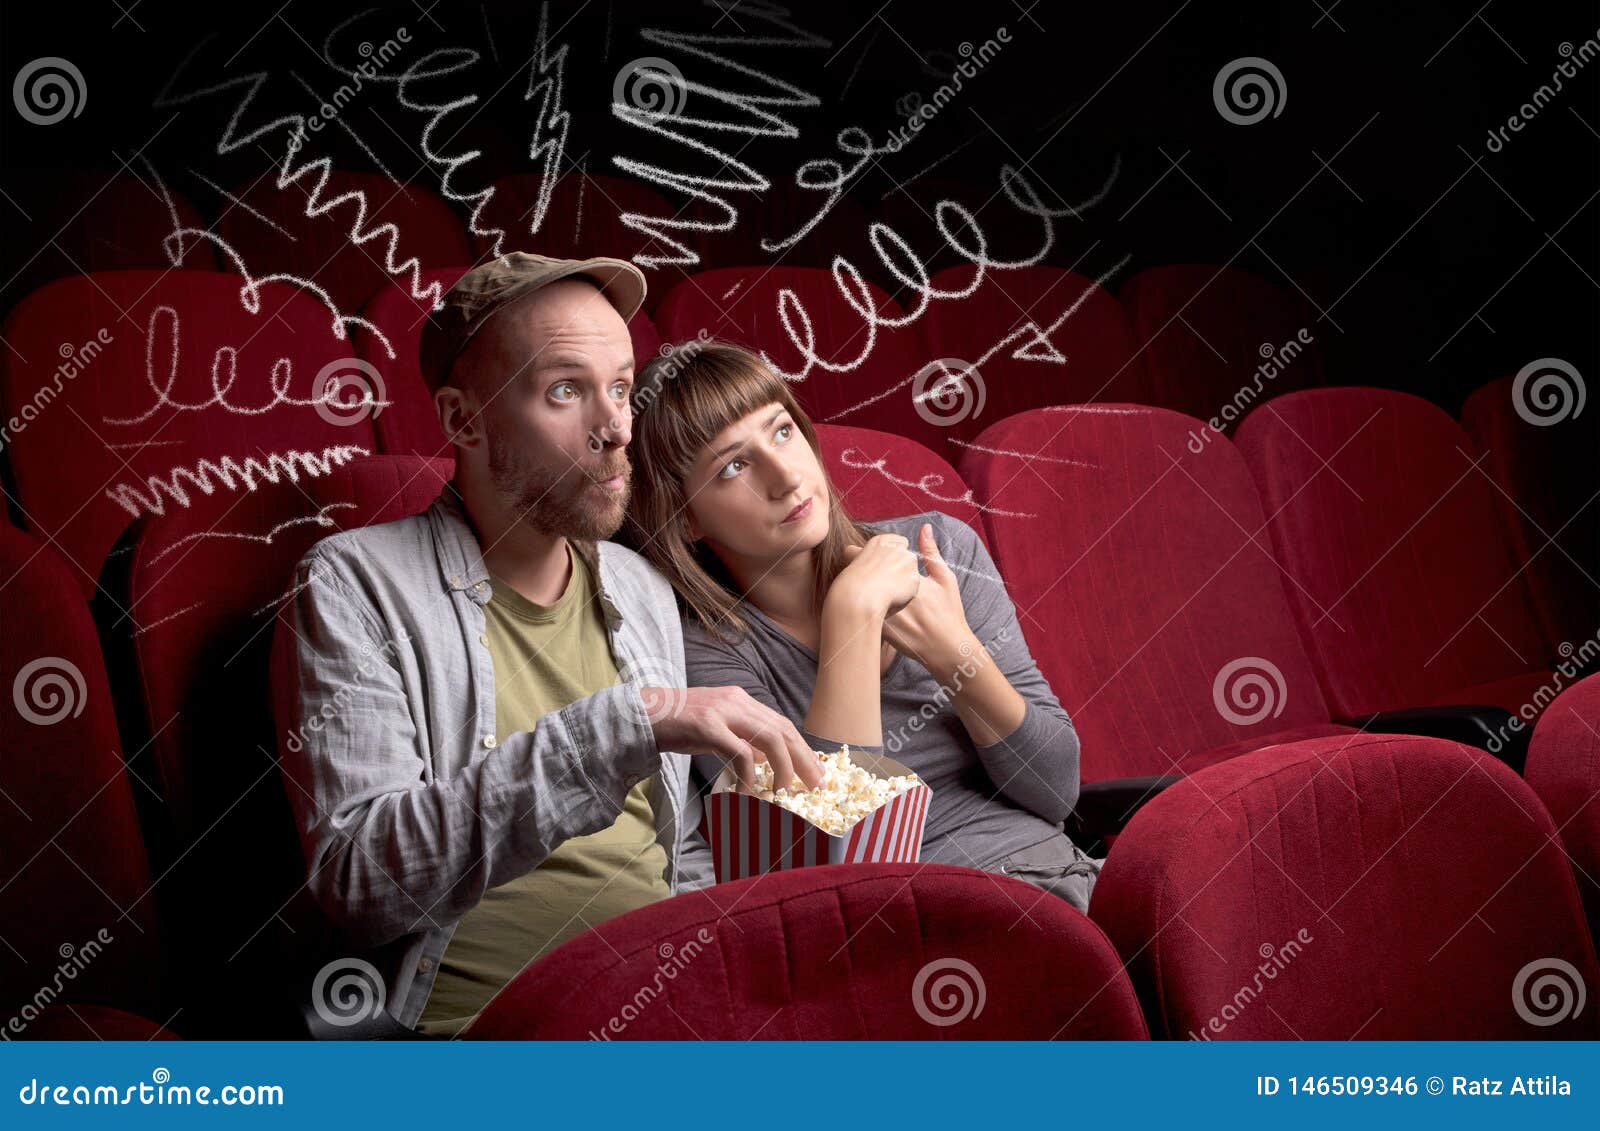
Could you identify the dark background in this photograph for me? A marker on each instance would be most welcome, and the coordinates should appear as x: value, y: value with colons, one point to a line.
x: 1434, y: 265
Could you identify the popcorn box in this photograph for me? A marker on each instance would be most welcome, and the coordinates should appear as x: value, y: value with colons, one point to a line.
x: 750, y: 836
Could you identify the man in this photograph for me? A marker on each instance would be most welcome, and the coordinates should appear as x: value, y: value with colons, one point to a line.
x: 483, y: 696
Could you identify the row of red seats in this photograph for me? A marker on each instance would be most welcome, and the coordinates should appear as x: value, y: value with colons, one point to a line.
x: 1373, y: 886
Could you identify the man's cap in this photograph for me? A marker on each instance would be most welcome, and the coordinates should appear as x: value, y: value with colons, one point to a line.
x: 489, y: 287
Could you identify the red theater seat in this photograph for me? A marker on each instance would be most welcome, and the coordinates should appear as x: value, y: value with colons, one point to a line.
x: 398, y: 223
x: 881, y: 475
x: 76, y: 897
x: 1380, y: 887
x: 891, y: 952
x: 1564, y: 770
x: 1145, y: 584
x: 1406, y: 592
x: 93, y: 1023
x: 75, y: 223
x: 1040, y: 336
x: 205, y: 586
x: 742, y: 305
x: 170, y: 374
x: 1543, y: 462
x: 410, y: 425
x: 1205, y: 331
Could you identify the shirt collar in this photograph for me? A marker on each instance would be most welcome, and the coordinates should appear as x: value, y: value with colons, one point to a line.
x: 461, y: 564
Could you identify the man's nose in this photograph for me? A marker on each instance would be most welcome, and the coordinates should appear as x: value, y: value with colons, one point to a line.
x: 614, y: 429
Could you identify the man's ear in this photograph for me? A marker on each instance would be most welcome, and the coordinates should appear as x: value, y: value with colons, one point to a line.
x: 460, y: 416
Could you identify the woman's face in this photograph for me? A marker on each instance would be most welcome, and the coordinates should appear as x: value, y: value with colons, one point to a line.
x: 757, y: 491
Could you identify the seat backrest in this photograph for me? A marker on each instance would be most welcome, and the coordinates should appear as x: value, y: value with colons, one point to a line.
x: 1541, y: 455
x: 1376, y: 886
x: 881, y: 475
x: 1144, y: 582
x: 409, y: 425
x: 1406, y: 590
x: 73, y: 223
x: 75, y: 888
x: 745, y: 305
x: 205, y: 586
x: 897, y: 952
x: 1563, y: 768
x: 1217, y: 336
x: 314, y: 238
x: 1038, y: 336
x: 133, y: 386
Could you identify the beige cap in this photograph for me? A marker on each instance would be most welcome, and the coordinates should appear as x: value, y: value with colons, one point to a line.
x: 484, y: 290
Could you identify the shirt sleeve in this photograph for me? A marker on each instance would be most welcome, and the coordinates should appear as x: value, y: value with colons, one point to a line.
x: 1036, y: 765
x: 390, y: 849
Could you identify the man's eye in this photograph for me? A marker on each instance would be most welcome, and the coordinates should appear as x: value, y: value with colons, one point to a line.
x: 620, y: 391
x: 733, y: 468
x: 563, y: 391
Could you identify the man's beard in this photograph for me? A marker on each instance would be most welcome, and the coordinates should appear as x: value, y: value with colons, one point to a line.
x: 568, y: 504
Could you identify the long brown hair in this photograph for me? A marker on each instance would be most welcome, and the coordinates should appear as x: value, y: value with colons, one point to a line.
x: 681, y: 400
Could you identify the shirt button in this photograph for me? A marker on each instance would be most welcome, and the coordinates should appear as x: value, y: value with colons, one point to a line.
x: 488, y: 740
x: 630, y: 781
x: 455, y: 580
x: 483, y: 638
x: 424, y: 965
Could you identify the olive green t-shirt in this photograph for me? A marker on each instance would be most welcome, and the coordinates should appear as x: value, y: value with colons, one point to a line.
x: 546, y: 657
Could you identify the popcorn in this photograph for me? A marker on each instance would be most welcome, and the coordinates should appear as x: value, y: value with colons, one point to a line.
x: 848, y: 792
x: 869, y: 809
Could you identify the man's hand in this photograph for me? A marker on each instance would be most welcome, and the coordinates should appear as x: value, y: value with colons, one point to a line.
x: 727, y: 723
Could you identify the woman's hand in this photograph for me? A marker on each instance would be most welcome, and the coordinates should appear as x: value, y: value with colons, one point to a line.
x: 880, y: 579
x: 933, y: 628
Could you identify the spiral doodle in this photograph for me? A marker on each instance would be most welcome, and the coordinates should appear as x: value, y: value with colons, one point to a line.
x: 1547, y: 991
x: 46, y: 98
x: 651, y: 84
x: 328, y: 389
x: 1548, y: 391
x: 48, y: 690
x: 948, y: 390
x: 347, y: 991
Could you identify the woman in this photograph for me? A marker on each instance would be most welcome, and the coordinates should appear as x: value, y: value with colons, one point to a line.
x: 832, y: 623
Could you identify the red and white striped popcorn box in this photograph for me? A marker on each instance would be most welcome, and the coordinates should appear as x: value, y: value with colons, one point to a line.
x: 749, y: 836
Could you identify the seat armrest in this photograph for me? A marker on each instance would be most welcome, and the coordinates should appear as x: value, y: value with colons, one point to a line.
x: 1489, y: 728
x: 1104, y: 807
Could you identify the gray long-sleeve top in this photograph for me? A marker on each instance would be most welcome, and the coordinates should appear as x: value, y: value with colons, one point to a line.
x: 988, y: 801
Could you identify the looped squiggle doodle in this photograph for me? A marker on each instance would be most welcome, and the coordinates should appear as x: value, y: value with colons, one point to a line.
x: 231, y: 473
x: 927, y: 484
x: 319, y: 519
x: 829, y: 176
x: 163, y: 326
